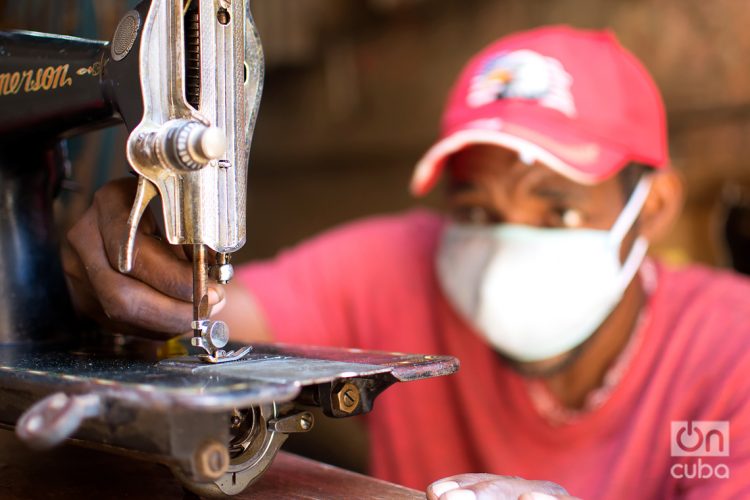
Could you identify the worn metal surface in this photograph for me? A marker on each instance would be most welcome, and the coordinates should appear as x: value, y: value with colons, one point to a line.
x: 280, y: 368
x: 404, y: 367
x: 269, y: 373
x: 139, y: 383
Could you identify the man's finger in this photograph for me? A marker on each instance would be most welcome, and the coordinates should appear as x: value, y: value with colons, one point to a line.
x: 125, y: 299
x: 113, y: 204
x: 153, y: 262
x: 82, y: 298
x: 436, y: 489
x: 514, y: 488
x: 157, y: 266
x: 71, y: 263
x: 490, y: 486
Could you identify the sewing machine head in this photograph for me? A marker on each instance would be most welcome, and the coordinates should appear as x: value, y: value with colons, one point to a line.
x: 200, y: 70
x: 185, y: 77
x: 201, y: 67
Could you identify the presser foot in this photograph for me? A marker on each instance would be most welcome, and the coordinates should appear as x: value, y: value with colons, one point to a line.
x: 212, y: 337
x: 222, y: 356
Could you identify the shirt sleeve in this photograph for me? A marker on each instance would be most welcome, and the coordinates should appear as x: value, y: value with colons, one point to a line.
x: 323, y: 291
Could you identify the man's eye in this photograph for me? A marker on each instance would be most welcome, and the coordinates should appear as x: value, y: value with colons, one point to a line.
x: 565, y: 217
x: 571, y: 218
x: 472, y: 215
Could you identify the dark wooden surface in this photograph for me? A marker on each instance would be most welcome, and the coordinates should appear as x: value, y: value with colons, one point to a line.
x: 74, y: 473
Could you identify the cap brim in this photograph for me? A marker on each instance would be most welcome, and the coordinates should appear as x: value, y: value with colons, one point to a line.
x: 582, y: 161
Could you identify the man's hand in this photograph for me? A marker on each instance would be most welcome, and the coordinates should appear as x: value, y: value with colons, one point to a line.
x: 492, y: 487
x: 155, y: 300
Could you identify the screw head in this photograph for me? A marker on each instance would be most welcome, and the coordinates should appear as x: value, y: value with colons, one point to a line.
x: 217, y: 334
x: 349, y: 398
x: 222, y: 273
x: 346, y: 398
x: 305, y: 423
x: 223, y: 16
x: 211, y: 460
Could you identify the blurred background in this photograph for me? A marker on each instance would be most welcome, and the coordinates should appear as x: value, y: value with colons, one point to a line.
x: 354, y: 91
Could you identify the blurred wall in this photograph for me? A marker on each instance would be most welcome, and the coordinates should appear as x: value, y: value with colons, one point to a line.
x: 341, y: 127
x: 354, y: 92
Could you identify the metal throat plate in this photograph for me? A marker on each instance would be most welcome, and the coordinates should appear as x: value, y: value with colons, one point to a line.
x: 270, y: 373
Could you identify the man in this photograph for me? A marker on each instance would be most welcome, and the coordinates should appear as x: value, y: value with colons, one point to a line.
x: 580, y: 356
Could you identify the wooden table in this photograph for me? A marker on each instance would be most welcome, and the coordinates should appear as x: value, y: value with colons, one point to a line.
x: 75, y: 473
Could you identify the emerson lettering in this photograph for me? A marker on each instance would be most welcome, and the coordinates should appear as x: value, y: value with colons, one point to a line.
x: 29, y: 81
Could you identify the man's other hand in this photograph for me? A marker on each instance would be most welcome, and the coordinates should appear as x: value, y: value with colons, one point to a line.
x: 492, y: 487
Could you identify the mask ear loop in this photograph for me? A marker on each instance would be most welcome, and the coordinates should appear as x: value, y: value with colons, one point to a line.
x: 631, y: 211
x: 623, y: 224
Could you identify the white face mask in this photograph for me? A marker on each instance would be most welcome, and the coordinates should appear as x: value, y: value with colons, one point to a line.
x: 535, y: 293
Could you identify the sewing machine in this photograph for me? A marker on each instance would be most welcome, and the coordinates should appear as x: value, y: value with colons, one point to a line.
x: 185, y: 78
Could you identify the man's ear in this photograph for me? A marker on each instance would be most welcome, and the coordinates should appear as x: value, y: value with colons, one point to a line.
x: 663, y: 205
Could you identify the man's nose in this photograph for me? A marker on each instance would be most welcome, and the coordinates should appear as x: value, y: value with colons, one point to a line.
x: 520, y: 213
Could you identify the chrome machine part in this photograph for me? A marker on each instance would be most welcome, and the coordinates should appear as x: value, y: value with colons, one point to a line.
x: 212, y: 337
x: 201, y: 99
x: 223, y: 271
x: 211, y: 461
x: 55, y: 418
x: 346, y: 398
x: 256, y: 437
x: 125, y: 35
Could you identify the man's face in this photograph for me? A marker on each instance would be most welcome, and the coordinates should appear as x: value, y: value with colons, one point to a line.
x: 490, y: 185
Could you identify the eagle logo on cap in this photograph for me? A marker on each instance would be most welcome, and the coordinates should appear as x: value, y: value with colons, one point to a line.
x: 523, y: 74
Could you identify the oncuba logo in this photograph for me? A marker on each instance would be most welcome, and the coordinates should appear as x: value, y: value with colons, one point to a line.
x: 700, y: 439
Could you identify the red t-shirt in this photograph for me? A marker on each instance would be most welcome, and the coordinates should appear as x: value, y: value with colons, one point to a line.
x: 372, y: 285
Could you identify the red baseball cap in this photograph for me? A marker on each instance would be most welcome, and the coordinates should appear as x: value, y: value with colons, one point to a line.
x: 574, y: 100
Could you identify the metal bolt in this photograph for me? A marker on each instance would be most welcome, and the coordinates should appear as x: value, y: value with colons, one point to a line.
x: 223, y: 16
x: 222, y: 274
x: 211, y: 461
x: 346, y: 399
x: 305, y: 422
